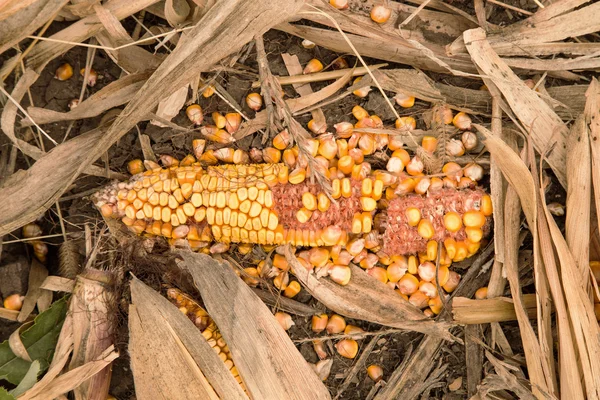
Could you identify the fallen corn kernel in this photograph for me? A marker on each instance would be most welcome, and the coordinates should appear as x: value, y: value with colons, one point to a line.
x: 404, y: 100
x: 455, y: 148
x: 194, y: 114
x: 339, y: 4
x: 347, y: 348
x: 380, y: 14
x: 362, y: 92
x: 375, y: 372
x: 336, y: 324
x: 469, y: 140
x: 292, y: 289
x: 254, y: 101
x: 14, y: 302
x: 92, y: 76
x: 429, y: 143
x: 313, y: 66
x: 481, y: 293
x: 285, y: 320
x: 319, y: 323
x: 462, y: 121
x: 359, y: 112
x: 63, y: 72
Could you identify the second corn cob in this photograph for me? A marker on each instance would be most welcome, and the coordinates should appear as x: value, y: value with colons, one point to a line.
x: 202, y: 320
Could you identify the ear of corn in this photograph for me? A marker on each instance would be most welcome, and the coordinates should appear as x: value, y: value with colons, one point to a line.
x: 372, y: 218
x: 258, y: 203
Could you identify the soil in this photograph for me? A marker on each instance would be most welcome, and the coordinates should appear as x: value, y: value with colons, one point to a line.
x: 77, y: 211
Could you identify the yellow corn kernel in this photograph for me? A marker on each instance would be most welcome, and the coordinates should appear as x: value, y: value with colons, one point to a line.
x: 297, y: 176
x: 432, y: 249
x: 292, y: 289
x: 135, y: 167
x: 359, y: 112
x: 336, y: 188
x: 452, y: 221
x: 450, y: 246
x: 429, y: 143
x: 346, y: 187
x: 413, y: 216
x: 486, y: 205
x: 282, y: 140
x: 345, y: 164
x: 303, y: 215
x: 309, y: 201
x: 473, y: 219
x: 357, y: 224
x: 474, y: 234
x: 368, y: 204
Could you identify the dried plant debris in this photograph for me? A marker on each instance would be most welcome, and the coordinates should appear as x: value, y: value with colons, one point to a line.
x: 306, y: 189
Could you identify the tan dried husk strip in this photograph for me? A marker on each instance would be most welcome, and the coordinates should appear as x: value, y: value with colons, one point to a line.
x: 521, y: 188
x: 497, y: 309
x: 547, y: 275
x: 546, y: 129
x: 592, y: 119
x: 579, y: 193
x: 92, y: 305
x: 7, y: 122
x: 15, y: 27
x: 207, y: 43
x: 581, y: 311
x: 81, y: 30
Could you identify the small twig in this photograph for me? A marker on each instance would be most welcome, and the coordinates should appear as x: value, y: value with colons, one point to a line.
x: 517, y: 9
x: 60, y: 219
x: 140, y: 24
x: 89, y: 60
x: 34, y: 42
x: 108, y: 48
x: 79, y: 195
x: 539, y: 3
x: 351, y: 336
x: 414, y: 13
x: 358, y: 365
x: 235, y: 107
x: 321, y: 76
x: 34, y: 238
x: 265, y: 88
x: 171, y: 125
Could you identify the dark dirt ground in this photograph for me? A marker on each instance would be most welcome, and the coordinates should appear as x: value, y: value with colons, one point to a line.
x: 77, y: 209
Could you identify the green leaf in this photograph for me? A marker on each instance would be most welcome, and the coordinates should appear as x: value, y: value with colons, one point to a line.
x: 29, y: 379
x: 39, y: 340
x: 4, y: 395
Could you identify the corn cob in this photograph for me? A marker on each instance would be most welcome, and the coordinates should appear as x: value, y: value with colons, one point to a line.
x: 261, y: 204
x: 207, y: 326
x: 373, y: 218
